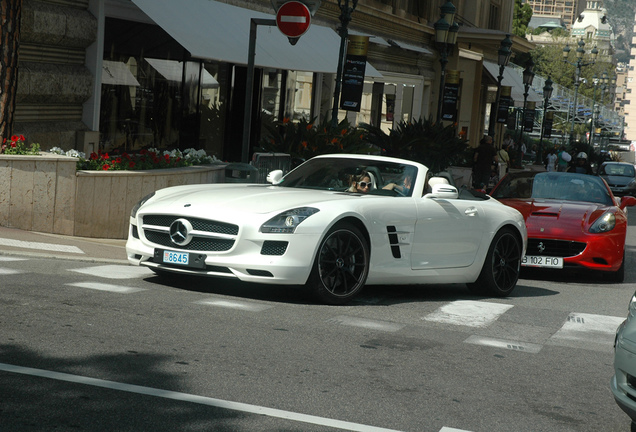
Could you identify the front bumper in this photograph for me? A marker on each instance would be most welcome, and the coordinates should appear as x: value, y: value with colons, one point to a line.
x: 623, y: 383
x: 245, y: 260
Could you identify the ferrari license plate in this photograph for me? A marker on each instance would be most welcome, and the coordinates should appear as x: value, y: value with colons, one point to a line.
x: 179, y: 258
x: 542, y: 261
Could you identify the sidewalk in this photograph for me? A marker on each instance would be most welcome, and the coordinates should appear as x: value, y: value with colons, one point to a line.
x: 15, y: 242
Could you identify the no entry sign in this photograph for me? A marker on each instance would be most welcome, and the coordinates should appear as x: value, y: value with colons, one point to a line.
x: 293, y: 19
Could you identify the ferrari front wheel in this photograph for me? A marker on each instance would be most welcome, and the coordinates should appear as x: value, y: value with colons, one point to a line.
x: 500, y: 272
x: 341, y: 265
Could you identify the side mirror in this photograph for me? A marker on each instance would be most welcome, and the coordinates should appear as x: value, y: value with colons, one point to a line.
x: 443, y: 191
x: 627, y: 201
x: 275, y: 176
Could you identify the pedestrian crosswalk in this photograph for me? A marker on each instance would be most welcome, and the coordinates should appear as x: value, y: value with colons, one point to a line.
x: 475, y: 317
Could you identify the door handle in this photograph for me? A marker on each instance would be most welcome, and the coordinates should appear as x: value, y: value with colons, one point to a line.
x: 470, y: 211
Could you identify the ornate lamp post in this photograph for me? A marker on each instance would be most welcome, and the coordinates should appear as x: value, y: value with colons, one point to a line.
x: 547, y: 94
x: 503, y: 58
x: 445, y: 37
x: 596, y: 81
x: 528, y: 77
x: 604, y: 86
x: 345, y: 19
x: 580, y: 51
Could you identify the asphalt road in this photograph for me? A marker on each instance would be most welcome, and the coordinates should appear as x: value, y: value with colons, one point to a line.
x: 102, y: 346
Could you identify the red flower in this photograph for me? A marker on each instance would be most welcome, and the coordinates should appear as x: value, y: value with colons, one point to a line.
x: 4, y: 141
x: 105, y: 167
x: 105, y: 156
x: 143, y: 151
x: 13, y: 145
x: 118, y: 160
x: 15, y: 138
x: 126, y: 156
x: 131, y: 164
x: 94, y: 156
x: 343, y: 132
x: 22, y: 138
x: 167, y: 157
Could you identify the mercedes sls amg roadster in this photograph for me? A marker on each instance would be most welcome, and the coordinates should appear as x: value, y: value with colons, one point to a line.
x: 312, y: 228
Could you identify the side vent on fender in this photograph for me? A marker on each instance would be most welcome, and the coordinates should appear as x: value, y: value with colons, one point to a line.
x: 394, y: 242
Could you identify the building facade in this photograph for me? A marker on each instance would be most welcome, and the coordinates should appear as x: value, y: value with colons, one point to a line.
x: 629, y: 99
x: 131, y: 74
x: 565, y: 10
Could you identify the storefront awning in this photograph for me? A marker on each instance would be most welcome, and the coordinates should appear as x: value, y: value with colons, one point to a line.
x: 217, y: 31
x: 513, y: 79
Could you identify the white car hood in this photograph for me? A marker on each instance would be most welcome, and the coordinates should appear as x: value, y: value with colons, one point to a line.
x: 240, y: 199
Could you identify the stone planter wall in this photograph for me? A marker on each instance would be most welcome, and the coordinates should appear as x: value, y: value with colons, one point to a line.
x: 46, y: 194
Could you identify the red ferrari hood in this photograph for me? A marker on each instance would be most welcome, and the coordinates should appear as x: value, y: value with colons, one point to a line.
x: 548, y: 218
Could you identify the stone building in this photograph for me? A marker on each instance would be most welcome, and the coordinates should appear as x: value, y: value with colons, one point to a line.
x: 128, y: 74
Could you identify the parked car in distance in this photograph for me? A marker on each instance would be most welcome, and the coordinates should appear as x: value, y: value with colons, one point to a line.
x: 314, y: 227
x: 573, y: 220
x: 623, y: 383
x: 620, y: 176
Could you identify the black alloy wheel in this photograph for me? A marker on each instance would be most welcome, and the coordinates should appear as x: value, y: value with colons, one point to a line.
x: 341, y: 266
x: 500, y: 272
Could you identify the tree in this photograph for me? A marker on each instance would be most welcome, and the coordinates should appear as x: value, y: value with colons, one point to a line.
x: 10, y: 14
x: 521, y: 18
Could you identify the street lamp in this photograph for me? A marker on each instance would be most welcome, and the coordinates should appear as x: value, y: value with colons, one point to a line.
x: 503, y: 57
x: 528, y: 76
x: 580, y: 51
x: 345, y: 19
x: 445, y: 37
x: 604, y: 84
x: 596, y: 81
x: 547, y: 94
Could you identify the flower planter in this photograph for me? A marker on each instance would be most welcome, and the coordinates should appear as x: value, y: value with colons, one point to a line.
x: 47, y: 194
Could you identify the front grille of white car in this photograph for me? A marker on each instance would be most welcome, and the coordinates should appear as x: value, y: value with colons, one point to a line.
x: 155, y: 229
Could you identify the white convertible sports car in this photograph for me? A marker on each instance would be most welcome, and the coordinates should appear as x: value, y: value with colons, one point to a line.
x: 308, y: 228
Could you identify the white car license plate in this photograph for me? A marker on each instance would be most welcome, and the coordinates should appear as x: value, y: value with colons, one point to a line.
x: 179, y: 258
x: 542, y: 261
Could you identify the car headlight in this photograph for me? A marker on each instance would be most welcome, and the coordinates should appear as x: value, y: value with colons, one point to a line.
x: 605, y: 223
x: 632, y: 307
x: 287, y: 222
x: 632, y: 184
x: 135, y: 209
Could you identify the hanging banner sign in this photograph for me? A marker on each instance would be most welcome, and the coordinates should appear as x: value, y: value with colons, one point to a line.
x: 547, y: 124
x: 353, y: 73
x: 505, y: 102
x: 450, y: 96
x: 528, y: 117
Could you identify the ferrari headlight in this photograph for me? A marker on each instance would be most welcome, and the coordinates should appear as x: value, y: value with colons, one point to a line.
x: 605, y: 223
x: 287, y: 222
x: 135, y: 209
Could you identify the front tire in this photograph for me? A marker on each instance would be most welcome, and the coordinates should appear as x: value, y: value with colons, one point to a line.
x: 500, y: 272
x: 341, y: 265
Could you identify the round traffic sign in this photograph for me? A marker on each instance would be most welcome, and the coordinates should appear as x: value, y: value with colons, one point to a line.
x: 293, y: 19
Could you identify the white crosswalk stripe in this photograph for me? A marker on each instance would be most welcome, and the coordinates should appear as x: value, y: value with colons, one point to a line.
x: 115, y: 271
x: 106, y: 287
x: 468, y: 313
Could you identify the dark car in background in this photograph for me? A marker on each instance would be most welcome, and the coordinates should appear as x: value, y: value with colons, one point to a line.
x: 620, y: 176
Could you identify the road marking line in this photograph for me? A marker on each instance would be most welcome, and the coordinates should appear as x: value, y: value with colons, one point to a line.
x: 233, y: 304
x: 40, y: 246
x: 589, y: 328
x: 367, y: 323
x: 185, y: 397
x: 468, y: 313
x: 6, y: 258
x: 7, y: 271
x: 106, y: 287
x: 505, y: 344
x: 115, y: 271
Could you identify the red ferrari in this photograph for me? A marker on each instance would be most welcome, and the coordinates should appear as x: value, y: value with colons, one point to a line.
x: 572, y: 220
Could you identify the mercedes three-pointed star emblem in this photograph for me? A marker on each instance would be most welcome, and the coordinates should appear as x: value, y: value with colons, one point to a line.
x: 180, y: 232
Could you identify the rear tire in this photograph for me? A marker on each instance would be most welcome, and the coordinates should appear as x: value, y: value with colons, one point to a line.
x: 341, y: 265
x: 500, y: 272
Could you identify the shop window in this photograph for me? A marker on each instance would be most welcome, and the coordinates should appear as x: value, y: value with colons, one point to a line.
x: 152, y: 96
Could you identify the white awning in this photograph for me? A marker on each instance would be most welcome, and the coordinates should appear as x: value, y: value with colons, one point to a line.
x: 172, y: 70
x: 218, y: 31
x: 117, y: 73
x: 513, y: 79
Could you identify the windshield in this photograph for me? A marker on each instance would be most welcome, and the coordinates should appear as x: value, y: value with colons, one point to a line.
x: 555, y: 186
x: 353, y: 175
x: 621, y: 170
